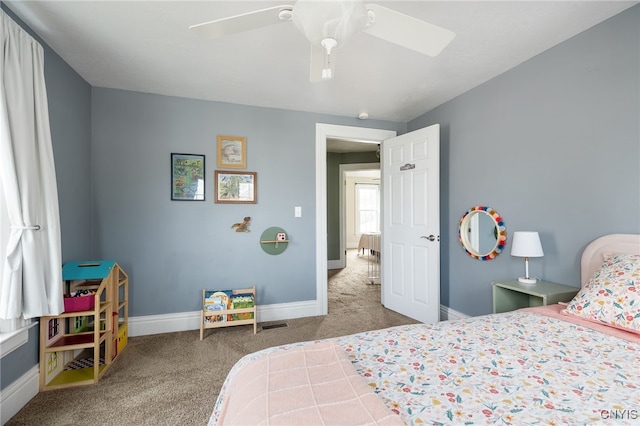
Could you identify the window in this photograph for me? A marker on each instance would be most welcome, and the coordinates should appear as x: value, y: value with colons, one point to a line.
x: 26, y: 73
x: 5, y: 227
x: 367, y: 208
x: 13, y: 332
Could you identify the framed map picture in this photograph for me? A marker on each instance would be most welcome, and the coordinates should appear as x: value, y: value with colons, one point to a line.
x: 187, y: 177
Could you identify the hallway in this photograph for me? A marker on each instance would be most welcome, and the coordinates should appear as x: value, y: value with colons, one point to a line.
x: 350, y: 288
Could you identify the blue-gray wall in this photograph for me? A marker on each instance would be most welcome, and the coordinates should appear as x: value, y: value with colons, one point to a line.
x: 69, y: 98
x: 554, y: 146
x: 171, y: 250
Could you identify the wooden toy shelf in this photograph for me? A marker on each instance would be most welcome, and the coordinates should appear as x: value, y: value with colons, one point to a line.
x: 60, y: 344
x: 118, y: 284
x: 228, y: 313
x: 78, y: 346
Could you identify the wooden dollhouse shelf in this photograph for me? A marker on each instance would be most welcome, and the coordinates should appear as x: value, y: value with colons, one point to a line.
x: 72, y: 341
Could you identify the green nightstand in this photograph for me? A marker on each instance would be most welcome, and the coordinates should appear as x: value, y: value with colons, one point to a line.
x: 511, y: 295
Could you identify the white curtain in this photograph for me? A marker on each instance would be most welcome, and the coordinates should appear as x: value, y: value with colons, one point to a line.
x: 31, y: 284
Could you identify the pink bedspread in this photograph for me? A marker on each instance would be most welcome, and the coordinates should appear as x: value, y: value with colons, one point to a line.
x: 308, y: 385
x: 531, y: 366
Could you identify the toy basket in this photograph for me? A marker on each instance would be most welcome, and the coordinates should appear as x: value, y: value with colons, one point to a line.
x: 82, y: 303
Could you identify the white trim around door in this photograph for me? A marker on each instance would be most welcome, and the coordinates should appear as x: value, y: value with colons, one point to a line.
x: 324, y: 131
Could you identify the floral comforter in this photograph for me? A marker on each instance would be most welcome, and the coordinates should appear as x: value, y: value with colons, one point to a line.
x: 517, y: 368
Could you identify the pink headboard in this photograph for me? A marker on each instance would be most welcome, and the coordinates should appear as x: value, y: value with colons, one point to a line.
x: 592, y: 257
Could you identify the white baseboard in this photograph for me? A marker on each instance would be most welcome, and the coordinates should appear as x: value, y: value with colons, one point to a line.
x: 184, y: 321
x: 446, y: 313
x: 19, y: 393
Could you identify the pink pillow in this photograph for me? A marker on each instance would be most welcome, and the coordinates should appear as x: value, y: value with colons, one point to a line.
x: 612, y: 295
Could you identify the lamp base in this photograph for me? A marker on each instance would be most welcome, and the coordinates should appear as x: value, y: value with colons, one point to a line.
x: 524, y: 280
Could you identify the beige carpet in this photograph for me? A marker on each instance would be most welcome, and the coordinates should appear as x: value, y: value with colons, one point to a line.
x: 174, y: 378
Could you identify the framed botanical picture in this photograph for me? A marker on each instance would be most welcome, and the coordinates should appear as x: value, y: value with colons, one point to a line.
x: 187, y: 177
x: 236, y: 187
x: 232, y: 152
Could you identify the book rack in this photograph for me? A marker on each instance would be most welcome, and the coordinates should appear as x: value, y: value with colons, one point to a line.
x: 228, y: 317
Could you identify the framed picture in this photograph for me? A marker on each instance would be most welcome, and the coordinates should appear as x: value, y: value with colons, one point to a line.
x: 187, y: 177
x: 236, y: 187
x: 232, y: 152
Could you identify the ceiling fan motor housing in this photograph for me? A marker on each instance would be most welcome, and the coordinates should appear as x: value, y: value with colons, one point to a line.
x: 337, y: 20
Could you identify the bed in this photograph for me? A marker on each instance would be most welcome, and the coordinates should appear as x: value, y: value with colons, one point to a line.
x: 369, y: 241
x: 574, y: 363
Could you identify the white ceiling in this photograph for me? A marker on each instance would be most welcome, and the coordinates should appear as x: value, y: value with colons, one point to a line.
x: 146, y: 46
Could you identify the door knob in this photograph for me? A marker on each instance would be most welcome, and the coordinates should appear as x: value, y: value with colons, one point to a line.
x: 430, y: 237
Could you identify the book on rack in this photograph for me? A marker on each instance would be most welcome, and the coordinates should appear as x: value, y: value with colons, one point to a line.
x: 239, y: 301
x: 216, y: 300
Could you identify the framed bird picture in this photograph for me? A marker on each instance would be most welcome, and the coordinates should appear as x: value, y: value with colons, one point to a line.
x: 235, y: 187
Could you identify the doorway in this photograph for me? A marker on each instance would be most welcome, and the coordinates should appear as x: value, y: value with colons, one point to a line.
x: 411, y: 226
x: 351, y: 278
x: 324, y: 132
x: 350, y: 176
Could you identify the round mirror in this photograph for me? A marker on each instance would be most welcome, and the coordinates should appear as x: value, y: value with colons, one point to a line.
x: 482, y: 233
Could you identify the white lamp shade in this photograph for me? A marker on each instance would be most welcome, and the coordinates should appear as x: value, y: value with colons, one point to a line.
x: 526, y: 244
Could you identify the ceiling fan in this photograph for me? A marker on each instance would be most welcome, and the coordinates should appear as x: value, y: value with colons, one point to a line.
x: 328, y: 24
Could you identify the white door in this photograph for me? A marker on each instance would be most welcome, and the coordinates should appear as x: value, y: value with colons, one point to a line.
x: 411, y: 224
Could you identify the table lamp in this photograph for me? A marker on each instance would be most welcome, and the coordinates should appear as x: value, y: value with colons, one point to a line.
x: 526, y: 244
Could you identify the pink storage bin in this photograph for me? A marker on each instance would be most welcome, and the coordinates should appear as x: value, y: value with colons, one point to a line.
x: 82, y: 303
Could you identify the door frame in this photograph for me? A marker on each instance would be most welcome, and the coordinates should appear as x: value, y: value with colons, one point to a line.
x: 343, y: 169
x: 324, y: 131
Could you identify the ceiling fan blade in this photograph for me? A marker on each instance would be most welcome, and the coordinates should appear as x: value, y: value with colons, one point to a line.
x: 407, y: 31
x: 239, y: 23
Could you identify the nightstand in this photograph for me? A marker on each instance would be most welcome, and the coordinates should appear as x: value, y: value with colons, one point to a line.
x: 511, y: 295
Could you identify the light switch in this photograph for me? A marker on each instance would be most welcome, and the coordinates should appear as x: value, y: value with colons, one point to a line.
x: 298, y: 211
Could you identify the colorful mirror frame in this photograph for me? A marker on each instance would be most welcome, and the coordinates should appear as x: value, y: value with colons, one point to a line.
x: 500, y: 233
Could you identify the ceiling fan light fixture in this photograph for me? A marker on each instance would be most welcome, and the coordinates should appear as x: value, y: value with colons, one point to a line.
x: 337, y: 20
x: 328, y: 44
